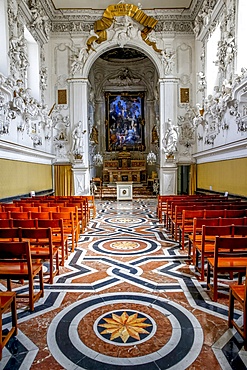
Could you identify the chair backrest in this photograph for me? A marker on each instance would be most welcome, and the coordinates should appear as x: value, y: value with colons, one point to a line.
x: 19, y: 215
x: 235, y: 213
x: 6, y: 223
x: 212, y: 213
x: 233, y: 221
x: 49, y: 208
x: 16, y: 252
x: 27, y: 223
x: 39, y: 215
x: 31, y: 208
x: 39, y: 235
x: 199, y: 222
x: 10, y: 234
x: 11, y: 207
x: 216, y: 231
x: 66, y: 216
x: 4, y: 215
x: 230, y: 246
x: 240, y: 230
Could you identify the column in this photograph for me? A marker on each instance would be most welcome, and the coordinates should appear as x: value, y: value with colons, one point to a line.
x: 79, y: 112
x: 168, y: 110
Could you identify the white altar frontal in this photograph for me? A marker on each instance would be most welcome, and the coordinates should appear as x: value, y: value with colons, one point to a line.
x: 124, y: 190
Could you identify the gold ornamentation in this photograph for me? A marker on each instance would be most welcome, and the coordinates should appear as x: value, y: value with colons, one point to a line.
x: 124, y: 245
x: 119, y: 10
x: 125, y: 326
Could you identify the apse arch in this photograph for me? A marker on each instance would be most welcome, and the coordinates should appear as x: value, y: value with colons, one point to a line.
x: 134, y: 44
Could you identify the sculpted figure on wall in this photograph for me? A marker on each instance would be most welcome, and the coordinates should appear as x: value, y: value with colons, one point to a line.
x: 77, y: 136
x: 78, y: 61
x: 170, y: 139
x: 167, y: 60
x: 123, y: 29
x: 6, y: 115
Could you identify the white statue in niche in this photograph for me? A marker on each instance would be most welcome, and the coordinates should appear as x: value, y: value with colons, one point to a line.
x: 77, y: 136
x: 171, y: 138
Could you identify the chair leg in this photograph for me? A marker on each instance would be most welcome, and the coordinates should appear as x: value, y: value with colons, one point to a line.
x: 231, y: 309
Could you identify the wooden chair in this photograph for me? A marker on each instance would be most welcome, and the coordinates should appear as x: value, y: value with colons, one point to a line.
x: 74, y: 210
x: 206, y: 248
x: 60, y: 240
x: 230, y: 255
x: 68, y: 224
x: 81, y: 213
x: 42, y: 247
x: 7, y: 301
x: 16, y: 264
x: 196, y: 235
x: 238, y: 293
x: 186, y: 227
x: 91, y: 206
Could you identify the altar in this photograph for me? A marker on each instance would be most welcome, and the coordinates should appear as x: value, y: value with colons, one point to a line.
x: 124, y: 169
x: 124, y: 190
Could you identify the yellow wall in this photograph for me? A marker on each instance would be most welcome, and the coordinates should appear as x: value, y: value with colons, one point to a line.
x: 18, y: 178
x: 230, y: 175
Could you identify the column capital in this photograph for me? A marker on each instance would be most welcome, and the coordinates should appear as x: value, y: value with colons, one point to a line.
x: 77, y: 80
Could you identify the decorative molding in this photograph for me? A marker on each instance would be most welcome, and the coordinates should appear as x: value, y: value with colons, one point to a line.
x: 225, y: 152
x: 18, y: 152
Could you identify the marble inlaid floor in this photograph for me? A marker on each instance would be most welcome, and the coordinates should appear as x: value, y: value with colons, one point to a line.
x: 127, y: 299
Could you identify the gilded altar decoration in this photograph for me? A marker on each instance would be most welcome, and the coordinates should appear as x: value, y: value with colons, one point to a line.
x: 123, y: 10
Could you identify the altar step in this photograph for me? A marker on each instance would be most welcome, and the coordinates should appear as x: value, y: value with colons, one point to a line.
x: 139, y: 191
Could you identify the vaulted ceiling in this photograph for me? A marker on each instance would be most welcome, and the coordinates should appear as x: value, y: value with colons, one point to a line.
x: 103, y: 4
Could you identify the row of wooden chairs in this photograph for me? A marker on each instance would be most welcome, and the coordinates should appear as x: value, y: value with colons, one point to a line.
x: 85, y: 202
x: 69, y: 216
x: 209, y: 209
x: 203, y: 245
x: 163, y: 200
x: 184, y: 227
x: 59, y: 236
x: 41, y: 243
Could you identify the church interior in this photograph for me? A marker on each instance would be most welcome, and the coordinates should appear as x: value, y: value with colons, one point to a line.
x: 123, y: 127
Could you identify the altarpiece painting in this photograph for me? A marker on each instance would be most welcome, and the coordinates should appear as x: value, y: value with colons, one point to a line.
x: 125, y: 121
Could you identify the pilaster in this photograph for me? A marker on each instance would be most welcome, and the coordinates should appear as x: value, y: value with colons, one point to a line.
x: 168, y: 110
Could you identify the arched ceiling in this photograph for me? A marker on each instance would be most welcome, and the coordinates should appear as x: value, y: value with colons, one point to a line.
x: 123, y: 54
x: 103, y: 4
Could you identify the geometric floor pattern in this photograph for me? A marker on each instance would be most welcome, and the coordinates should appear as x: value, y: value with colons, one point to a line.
x: 128, y: 298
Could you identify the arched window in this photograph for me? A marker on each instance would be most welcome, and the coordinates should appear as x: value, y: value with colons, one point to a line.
x: 3, y: 38
x: 33, y: 68
x: 211, y: 57
x: 241, y: 35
